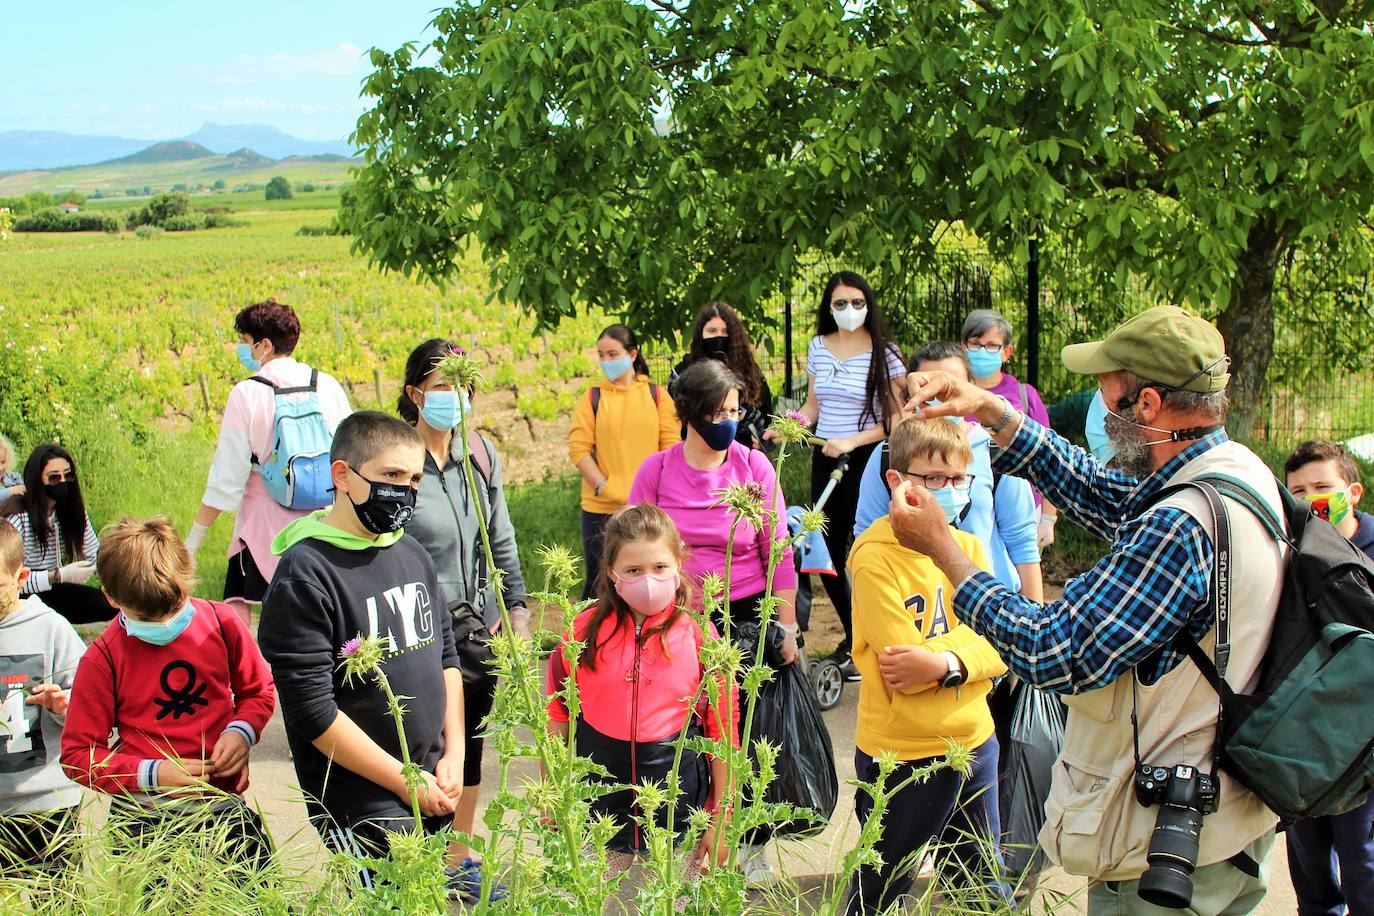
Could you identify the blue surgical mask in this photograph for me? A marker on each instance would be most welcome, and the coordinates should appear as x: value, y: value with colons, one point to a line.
x: 984, y: 363
x: 250, y: 362
x: 615, y: 368
x: 159, y: 632
x: 952, y: 501
x: 445, y: 409
x: 1095, y: 430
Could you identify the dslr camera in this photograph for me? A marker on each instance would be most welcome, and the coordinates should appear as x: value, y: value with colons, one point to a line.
x: 1184, y: 795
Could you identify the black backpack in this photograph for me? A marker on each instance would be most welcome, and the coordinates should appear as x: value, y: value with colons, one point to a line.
x: 1303, y: 741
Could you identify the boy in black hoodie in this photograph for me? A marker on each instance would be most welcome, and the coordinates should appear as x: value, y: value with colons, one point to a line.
x: 347, y: 571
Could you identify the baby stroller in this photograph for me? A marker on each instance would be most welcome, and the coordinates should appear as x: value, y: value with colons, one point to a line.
x: 810, y: 556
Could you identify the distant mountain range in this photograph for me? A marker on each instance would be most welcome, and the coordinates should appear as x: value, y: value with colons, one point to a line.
x: 32, y: 149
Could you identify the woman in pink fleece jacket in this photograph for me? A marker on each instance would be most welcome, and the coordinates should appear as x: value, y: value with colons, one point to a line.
x: 685, y: 481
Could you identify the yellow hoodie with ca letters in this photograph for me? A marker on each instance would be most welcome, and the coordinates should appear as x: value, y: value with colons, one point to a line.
x: 901, y: 598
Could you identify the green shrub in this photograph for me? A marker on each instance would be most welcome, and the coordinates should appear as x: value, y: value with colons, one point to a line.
x: 55, y: 220
x: 278, y: 189
x: 317, y: 230
x: 184, y: 223
x: 160, y: 209
x: 148, y: 232
x: 222, y: 221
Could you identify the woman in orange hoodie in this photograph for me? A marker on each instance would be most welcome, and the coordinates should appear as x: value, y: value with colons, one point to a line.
x: 623, y: 419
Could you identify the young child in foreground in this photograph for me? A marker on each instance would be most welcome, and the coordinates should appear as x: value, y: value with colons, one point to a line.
x: 39, y: 652
x: 1331, y: 859
x: 925, y: 683
x: 637, y: 679
x: 181, y: 682
x: 348, y: 571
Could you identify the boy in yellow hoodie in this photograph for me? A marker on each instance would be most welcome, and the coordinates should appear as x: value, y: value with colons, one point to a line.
x: 925, y: 683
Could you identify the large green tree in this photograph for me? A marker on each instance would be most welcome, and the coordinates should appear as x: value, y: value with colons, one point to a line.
x: 646, y: 155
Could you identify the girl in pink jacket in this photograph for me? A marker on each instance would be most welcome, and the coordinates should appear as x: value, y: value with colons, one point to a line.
x: 640, y: 679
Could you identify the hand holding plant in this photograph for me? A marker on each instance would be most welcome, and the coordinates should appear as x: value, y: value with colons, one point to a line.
x: 230, y: 754
x: 51, y: 697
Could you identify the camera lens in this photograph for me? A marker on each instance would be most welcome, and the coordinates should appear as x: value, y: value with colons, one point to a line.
x: 1168, y: 882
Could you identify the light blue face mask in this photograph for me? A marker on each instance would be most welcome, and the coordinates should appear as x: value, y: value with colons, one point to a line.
x: 159, y: 632
x: 445, y: 409
x: 984, y: 363
x: 615, y: 368
x: 952, y: 501
x: 245, y: 352
x: 1095, y: 430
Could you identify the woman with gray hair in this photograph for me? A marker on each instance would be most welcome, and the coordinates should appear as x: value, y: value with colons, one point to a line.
x: 990, y: 345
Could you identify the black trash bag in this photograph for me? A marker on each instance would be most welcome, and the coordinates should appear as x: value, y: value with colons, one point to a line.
x: 1035, y: 737
x: 787, y: 715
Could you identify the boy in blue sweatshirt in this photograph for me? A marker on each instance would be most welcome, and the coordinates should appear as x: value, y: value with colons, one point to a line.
x: 1324, y: 474
x: 349, y: 571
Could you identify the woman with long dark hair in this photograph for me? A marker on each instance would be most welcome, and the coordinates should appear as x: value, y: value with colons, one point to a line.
x: 59, y: 540
x: 719, y: 334
x: 447, y: 525
x: 623, y: 419
x: 856, y: 379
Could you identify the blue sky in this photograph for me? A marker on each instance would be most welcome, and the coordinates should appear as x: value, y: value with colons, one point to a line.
x: 152, y: 70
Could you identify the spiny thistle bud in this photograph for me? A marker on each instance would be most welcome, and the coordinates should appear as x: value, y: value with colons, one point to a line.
x: 712, y: 588
x: 458, y: 366
x: 560, y: 566
x: 814, y: 520
x: 791, y: 427
x: 361, y: 655
x: 744, y: 500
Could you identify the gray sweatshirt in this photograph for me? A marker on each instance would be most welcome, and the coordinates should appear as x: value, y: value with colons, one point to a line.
x: 37, y: 646
x: 445, y: 524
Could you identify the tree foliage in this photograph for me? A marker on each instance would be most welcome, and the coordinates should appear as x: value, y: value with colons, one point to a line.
x: 278, y: 188
x: 646, y: 156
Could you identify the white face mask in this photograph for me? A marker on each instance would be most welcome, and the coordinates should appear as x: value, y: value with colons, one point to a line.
x: 851, y: 319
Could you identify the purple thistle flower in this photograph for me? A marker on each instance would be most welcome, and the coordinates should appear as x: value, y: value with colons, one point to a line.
x: 458, y: 351
x: 350, y: 648
x: 755, y: 490
x: 800, y: 417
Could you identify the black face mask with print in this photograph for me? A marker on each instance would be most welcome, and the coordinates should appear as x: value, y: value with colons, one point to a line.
x: 387, y: 507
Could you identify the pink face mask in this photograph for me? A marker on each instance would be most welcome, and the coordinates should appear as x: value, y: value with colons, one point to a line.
x: 648, y: 594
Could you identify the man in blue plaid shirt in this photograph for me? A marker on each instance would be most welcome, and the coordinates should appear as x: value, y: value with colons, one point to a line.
x: 1108, y: 644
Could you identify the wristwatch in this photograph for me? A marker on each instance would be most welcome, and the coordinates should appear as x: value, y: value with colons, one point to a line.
x: 956, y: 675
x: 1007, y: 413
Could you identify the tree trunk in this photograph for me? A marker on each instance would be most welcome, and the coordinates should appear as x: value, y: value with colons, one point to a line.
x: 1247, y: 325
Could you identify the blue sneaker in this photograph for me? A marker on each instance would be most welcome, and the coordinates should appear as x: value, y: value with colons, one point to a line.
x: 465, y: 883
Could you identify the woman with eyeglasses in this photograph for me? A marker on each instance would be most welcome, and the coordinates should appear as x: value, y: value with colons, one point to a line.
x: 59, y: 540
x: 856, y: 376
x: 988, y: 339
x: 685, y: 481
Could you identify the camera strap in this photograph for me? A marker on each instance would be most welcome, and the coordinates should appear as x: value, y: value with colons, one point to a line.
x: 1220, y: 602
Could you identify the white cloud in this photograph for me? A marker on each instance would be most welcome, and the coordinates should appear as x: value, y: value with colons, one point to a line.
x: 247, y: 69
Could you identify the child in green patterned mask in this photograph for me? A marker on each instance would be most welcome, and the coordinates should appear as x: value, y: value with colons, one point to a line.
x: 1324, y: 474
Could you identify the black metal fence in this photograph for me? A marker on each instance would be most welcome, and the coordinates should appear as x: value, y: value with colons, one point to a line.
x: 1051, y: 301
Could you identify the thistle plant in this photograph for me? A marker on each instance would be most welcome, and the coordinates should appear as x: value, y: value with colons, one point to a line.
x: 411, y: 876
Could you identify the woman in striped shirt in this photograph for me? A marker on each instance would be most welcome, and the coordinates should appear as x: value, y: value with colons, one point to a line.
x: 851, y: 399
x: 55, y: 527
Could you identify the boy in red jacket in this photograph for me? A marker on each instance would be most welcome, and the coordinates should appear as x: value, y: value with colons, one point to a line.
x: 184, y: 684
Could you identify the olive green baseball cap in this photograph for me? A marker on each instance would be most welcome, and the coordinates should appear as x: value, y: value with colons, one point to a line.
x: 1164, y: 344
